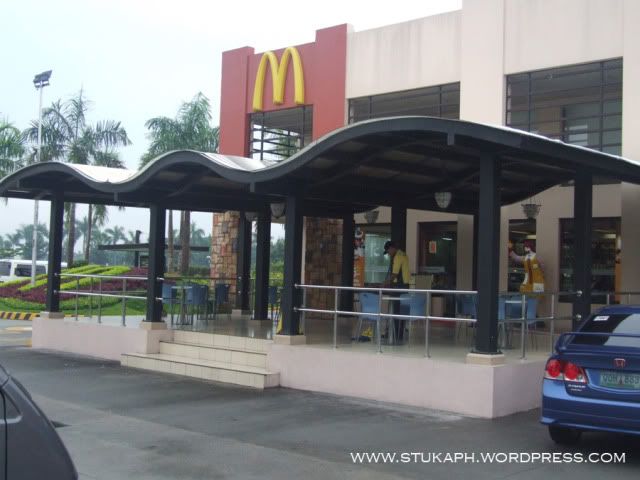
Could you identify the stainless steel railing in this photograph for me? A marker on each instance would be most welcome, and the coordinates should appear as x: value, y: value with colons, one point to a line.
x: 523, y: 320
x: 380, y: 314
x: 124, y: 294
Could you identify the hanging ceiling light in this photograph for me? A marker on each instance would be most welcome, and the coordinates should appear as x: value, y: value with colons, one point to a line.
x: 371, y: 216
x: 443, y: 199
x: 251, y: 216
x: 531, y: 210
x: 277, y: 209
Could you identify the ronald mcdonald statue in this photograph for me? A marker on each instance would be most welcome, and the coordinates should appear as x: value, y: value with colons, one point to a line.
x: 533, y: 277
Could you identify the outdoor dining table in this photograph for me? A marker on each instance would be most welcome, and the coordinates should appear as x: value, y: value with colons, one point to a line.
x: 183, y: 299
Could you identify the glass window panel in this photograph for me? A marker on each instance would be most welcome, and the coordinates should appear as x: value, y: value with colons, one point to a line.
x: 432, y: 101
x: 612, y: 149
x: 573, y: 103
x: 516, y: 89
x: 612, y: 106
x: 518, y: 103
x: 518, y: 117
x: 613, y: 75
x: 605, y: 251
x: 614, y: 137
x: 612, y: 122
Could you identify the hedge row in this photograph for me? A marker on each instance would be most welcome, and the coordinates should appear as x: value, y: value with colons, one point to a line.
x: 85, y: 282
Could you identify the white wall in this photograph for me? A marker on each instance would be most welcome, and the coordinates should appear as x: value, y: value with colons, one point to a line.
x: 407, y: 55
x: 482, y: 50
x: 631, y: 145
x: 548, y: 33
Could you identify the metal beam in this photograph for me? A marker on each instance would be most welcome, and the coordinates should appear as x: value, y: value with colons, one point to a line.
x: 263, y: 252
x: 488, y: 256
x: 55, y: 252
x: 399, y: 226
x: 292, y: 266
x: 346, y: 273
x: 155, y: 272
x: 243, y: 258
x: 582, y: 260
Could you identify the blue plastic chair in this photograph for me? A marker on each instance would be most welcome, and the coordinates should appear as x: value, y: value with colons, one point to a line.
x: 274, y: 302
x: 466, y: 308
x: 368, y: 305
x: 413, y: 304
x: 196, y: 299
x: 169, y: 296
x: 220, y: 297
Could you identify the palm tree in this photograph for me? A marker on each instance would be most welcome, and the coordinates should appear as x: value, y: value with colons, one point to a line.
x: 67, y: 136
x: 190, y: 130
x: 11, y: 148
x: 115, y: 234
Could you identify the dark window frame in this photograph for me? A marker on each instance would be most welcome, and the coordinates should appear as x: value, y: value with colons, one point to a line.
x: 276, y: 144
x: 370, y: 102
x: 527, y: 107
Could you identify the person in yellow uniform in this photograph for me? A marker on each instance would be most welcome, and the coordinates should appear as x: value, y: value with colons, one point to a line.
x: 397, y: 277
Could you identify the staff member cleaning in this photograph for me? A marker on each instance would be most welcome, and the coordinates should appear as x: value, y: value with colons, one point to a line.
x: 397, y: 277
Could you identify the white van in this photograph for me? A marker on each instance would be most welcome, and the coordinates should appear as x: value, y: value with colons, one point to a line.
x: 11, y: 269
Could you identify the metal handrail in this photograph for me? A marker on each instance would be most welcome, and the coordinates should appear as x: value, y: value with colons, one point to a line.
x: 380, y: 314
x: 101, y: 293
x: 110, y: 277
x: 523, y: 320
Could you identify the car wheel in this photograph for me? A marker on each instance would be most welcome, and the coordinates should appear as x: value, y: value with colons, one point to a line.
x: 564, y: 435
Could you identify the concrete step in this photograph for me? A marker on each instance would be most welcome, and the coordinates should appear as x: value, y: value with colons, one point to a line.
x: 225, y: 341
x: 234, y: 356
x: 247, y: 376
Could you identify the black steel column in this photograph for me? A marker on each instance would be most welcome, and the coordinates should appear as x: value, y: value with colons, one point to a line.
x: 348, y: 234
x: 243, y: 257
x: 55, y: 253
x: 488, y: 256
x: 582, y: 261
x: 399, y: 226
x: 263, y: 252
x: 157, y: 221
x: 474, y: 267
x: 292, y: 266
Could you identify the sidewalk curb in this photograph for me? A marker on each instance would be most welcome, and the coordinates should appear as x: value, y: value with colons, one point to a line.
x: 25, y: 315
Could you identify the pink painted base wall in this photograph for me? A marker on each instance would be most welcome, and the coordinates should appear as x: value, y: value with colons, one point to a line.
x: 102, y: 341
x: 477, y: 390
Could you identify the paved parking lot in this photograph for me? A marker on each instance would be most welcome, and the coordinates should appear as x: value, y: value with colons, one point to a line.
x: 123, y: 424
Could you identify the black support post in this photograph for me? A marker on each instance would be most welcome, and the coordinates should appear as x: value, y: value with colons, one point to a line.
x: 157, y: 221
x: 474, y: 271
x: 399, y: 226
x: 582, y: 261
x: 489, y: 256
x: 263, y: 252
x: 292, y: 266
x: 243, y: 256
x: 348, y: 234
x: 55, y: 253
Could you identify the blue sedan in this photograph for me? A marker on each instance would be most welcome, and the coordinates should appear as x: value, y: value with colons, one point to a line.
x: 592, y: 382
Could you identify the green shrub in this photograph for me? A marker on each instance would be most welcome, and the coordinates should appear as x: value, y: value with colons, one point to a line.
x: 86, y: 269
x: 84, y: 282
x: 18, y: 281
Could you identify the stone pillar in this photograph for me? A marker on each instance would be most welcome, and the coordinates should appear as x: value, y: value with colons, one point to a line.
x: 224, y: 259
x: 323, y: 259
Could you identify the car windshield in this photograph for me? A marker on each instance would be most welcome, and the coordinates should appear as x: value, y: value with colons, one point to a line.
x: 5, y: 269
x: 625, y: 323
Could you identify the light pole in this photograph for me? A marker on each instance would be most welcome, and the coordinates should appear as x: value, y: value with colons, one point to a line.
x: 40, y: 81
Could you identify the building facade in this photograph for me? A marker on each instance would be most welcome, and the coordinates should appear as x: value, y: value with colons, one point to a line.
x: 568, y: 70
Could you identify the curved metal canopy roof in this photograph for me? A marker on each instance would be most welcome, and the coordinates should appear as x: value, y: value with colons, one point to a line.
x: 399, y: 161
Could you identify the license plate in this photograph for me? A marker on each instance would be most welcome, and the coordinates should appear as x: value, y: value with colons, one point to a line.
x: 627, y: 381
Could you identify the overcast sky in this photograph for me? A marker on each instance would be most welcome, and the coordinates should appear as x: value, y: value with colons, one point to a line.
x: 139, y: 59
